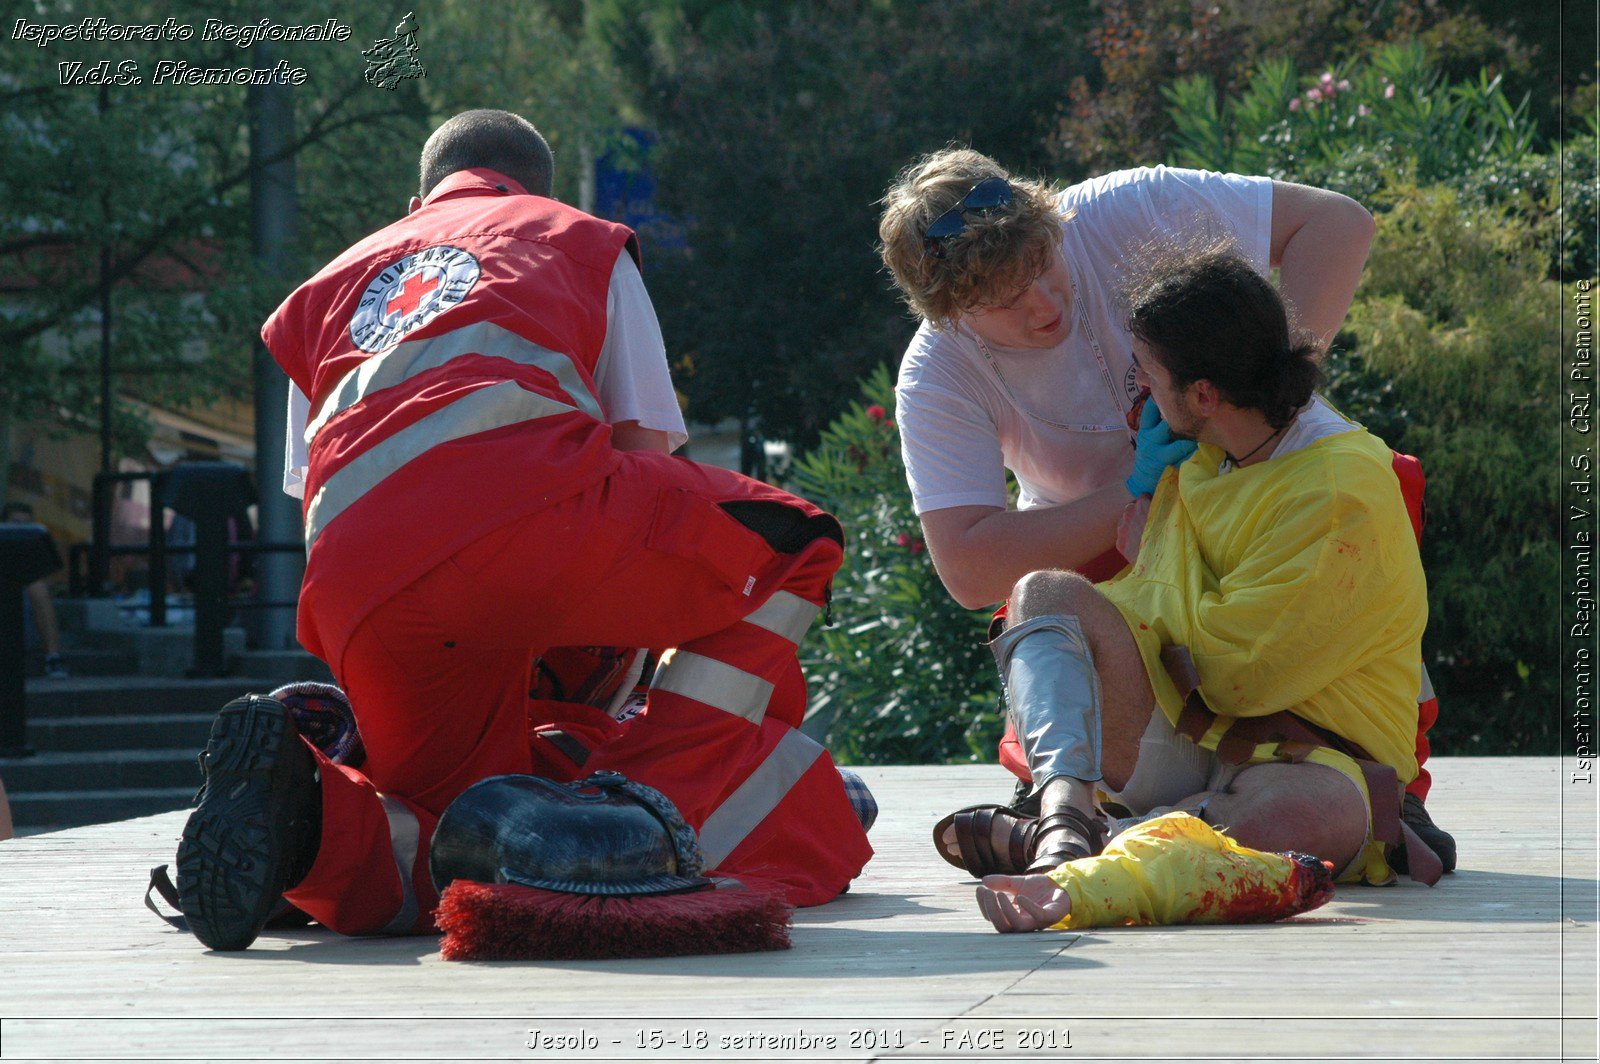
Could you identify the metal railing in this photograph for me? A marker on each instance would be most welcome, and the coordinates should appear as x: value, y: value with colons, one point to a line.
x: 209, y: 494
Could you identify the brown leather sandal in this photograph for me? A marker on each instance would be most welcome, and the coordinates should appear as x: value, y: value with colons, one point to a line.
x: 1064, y: 836
x: 974, y: 831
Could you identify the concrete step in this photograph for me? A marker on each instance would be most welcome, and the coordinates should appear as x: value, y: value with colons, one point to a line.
x: 88, y: 662
x: 173, y: 731
x: 48, y: 810
x: 168, y: 651
x: 101, y: 770
x: 284, y: 666
x: 123, y: 695
x: 84, y: 617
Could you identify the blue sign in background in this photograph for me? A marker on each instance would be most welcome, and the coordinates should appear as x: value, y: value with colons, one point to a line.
x: 625, y: 191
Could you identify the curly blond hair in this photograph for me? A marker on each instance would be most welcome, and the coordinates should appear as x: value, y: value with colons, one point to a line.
x: 998, y: 255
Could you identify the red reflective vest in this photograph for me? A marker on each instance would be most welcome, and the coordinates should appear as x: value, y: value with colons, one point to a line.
x: 450, y: 362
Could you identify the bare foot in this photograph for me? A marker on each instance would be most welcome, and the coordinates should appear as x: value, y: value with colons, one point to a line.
x: 1022, y: 903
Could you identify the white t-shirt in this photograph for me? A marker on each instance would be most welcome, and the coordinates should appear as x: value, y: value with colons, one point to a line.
x: 631, y: 376
x: 1056, y: 417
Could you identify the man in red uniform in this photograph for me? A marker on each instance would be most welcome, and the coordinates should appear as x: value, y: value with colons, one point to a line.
x: 468, y: 505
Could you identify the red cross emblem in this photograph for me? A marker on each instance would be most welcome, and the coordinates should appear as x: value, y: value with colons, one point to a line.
x: 411, y: 294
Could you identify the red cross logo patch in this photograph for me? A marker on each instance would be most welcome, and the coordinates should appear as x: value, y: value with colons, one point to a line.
x: 409, y: 293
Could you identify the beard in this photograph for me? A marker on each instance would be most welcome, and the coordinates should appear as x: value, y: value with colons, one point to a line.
x: 1184, y: 423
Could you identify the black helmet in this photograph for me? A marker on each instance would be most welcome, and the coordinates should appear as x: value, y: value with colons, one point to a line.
x: 601, y: 835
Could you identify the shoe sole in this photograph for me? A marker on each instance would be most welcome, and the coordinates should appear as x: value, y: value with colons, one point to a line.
x: 233, y: 859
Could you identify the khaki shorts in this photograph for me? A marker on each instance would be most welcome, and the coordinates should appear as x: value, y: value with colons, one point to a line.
x: 1172, y: 767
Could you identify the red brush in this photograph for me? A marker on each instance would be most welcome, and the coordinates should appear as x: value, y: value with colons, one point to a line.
x: 507, y: 922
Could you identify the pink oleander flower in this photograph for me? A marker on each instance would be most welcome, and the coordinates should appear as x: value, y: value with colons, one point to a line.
x: 903, y: 539
x: 1313, y: 95
x: 1388, y: 92
x: 917, y: 546
x: 1294, y: 104
x: 1327, y: 77
x: 876, y: 412
x: 1363, y: 110
x: 1343, y: 86
x: 888, y: 423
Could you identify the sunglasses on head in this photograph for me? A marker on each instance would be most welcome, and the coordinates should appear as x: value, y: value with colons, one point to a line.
x: 983, y: 197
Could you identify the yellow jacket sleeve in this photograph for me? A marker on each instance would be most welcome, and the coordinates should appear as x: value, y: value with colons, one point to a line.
x: 1176, y: 869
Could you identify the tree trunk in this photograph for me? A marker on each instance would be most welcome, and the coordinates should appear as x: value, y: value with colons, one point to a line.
x: 273, y: 209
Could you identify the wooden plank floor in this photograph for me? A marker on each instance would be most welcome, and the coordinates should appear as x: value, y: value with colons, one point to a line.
x: 1496, y: 963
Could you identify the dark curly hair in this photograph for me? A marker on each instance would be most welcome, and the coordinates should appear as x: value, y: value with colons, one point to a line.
x: 1208, y: 315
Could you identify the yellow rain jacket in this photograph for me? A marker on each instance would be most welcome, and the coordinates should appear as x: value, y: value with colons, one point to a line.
x: 1296, y: 585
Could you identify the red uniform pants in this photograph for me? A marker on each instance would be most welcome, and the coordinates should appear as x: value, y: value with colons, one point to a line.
x: 439, y: 678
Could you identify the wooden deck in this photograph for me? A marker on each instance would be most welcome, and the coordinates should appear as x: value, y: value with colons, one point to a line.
x: 1496, y: 963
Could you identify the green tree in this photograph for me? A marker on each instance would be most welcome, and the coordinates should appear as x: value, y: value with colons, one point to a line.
x: 1391, y: 114
x: 780, y: 126
x: 1450, y: 337
x: 154, y: 181
x: 157, y: 178
x: 550, y: 66
x: 1117, y: 116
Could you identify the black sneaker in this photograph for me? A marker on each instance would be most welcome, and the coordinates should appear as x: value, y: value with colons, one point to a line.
x: 257, y: 828
x: 1415, y: 814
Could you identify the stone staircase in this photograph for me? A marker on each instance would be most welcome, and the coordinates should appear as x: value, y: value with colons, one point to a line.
x: 119, y: 738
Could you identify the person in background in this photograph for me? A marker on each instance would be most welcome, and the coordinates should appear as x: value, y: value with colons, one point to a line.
x: 39, y: 606
x: 6, y: 828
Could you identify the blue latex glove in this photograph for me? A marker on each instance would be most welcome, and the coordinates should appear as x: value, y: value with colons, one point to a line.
x: 1154, y: 451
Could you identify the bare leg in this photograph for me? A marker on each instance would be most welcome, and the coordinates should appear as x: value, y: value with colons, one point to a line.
x: 6, y: 830
x: 1306, y: 807
x: 44, y: 615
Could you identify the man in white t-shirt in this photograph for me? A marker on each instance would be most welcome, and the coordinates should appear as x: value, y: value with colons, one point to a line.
x: 1023, y: 360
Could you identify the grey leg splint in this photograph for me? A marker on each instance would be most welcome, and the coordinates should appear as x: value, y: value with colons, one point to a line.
x: 1053, y: 693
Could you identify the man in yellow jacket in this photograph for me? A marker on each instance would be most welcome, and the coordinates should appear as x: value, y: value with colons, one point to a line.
x: 1273, y: 614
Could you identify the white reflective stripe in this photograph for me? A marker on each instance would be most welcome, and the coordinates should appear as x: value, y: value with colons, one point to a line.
x: 786, y: 614
x: 404, y: 835
x: 403, y: 361
x: 496, y: 406
x: 757, y: 796
x: 716, y: 684
x: 1427, y: 687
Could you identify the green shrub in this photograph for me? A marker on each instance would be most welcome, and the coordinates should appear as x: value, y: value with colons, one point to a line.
x: 1452, y: 331
x: 1387, y: 115
x: 1116, y: 117
x: 1555, y: 193
x: 903, y: 677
